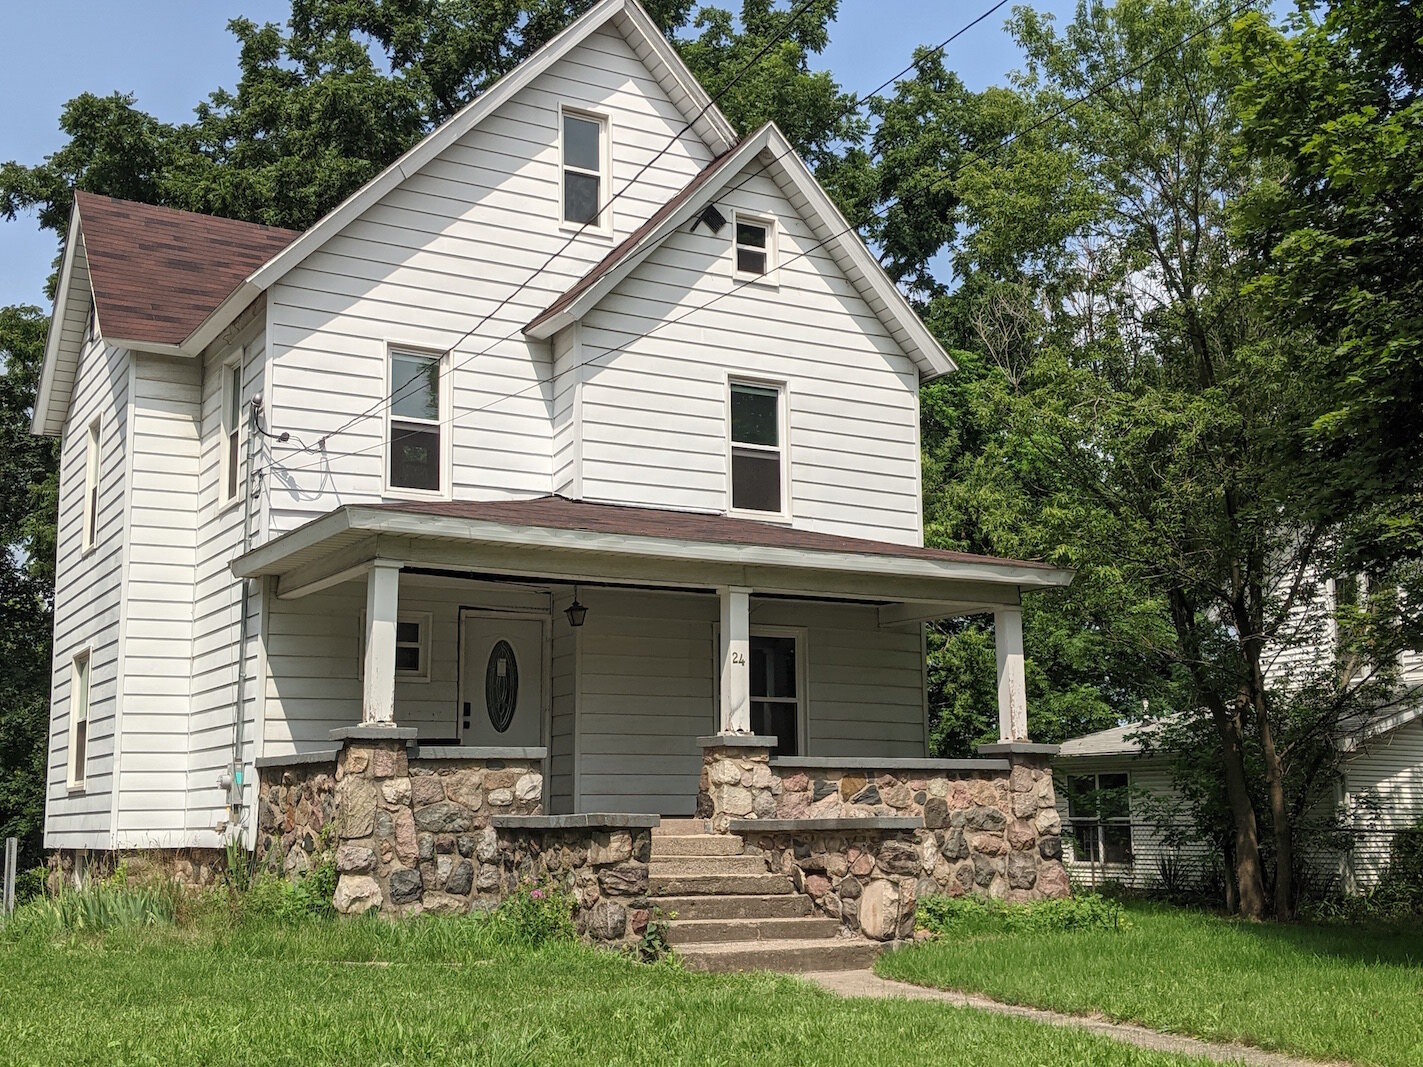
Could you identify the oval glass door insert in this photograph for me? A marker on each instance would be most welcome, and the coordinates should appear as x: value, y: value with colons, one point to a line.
x: 501, y: 685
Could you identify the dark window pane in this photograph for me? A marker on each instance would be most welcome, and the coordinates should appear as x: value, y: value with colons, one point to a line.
x: 414, y: 456
x: 751, y: 234
x: 755, y: 415
x: 580, y: 143
x: 755, y: 481
x: 1082, y: 797
x: 1116, y: 842
x: 580, y: 197
x: 407, y: 632
x: 234, y: 397
x: 414, y: 387
x: 232, y: 465
x: 773, y: 671
x: 81, y: 742
x: 1084, y: 842
x: 781, y: 722
x: 748, y: 262
x: 407, y: 658
x: 1113, y: 797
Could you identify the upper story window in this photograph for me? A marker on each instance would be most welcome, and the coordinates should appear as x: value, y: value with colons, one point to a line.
x: 1099, y: 811
x: 78, y: 720
x: 415, y: 437
x: 755, y: 248
x: 585, y: 167
x: 231, y: 464
x: 91, y: 485
x: 758, y: 457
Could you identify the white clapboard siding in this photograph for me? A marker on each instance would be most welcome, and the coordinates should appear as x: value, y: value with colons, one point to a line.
x: 1389, y: 771
x: 435, y: 256
x: 158, y: 634
x: 653, y: 408
x: 87, y: 603
x: 313, y: 659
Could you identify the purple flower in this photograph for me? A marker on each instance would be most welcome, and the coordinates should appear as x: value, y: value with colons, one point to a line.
x: 537, y: 894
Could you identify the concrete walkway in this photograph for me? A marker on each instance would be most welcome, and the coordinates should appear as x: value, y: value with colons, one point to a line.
x: 869, y: 984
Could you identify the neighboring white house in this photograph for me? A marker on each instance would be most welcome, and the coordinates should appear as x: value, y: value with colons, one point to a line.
x: 659, y: 483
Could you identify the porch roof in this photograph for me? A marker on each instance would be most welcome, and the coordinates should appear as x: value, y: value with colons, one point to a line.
x: 566, y: 540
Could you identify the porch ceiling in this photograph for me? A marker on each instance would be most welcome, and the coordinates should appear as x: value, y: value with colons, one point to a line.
x: 564, y: 540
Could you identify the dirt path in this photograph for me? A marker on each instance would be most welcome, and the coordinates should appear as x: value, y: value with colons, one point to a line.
x: 868, y: 984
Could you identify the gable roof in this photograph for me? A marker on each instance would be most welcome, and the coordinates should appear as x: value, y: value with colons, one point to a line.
x: 157, y: 272
x: 200, y: 312
x: 828, y: 225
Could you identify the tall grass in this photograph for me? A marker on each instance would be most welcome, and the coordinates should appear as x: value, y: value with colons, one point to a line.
x: 97, y: 908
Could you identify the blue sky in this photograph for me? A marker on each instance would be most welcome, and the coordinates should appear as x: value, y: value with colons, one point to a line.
x: 171, y: 53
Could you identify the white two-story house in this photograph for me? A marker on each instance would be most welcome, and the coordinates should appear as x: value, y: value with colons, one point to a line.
x: 587, y: 428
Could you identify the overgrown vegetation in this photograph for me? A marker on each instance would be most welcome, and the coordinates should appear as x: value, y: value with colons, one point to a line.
x: 968, y: 915
x: 1324, y: 991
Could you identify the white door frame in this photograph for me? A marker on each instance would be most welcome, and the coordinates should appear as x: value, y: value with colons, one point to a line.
x: 546, y: 681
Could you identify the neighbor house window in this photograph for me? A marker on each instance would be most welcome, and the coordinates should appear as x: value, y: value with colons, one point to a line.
x: 91, y: 485
x: 231, y: 465
x: 1099, y: 812
x: 415, y: 435
x: 584, y: 167
x: 78, y: 719
x: 757, y: 451
x: 412, y: 646
x: 755, y: 247
x: 775, y: 690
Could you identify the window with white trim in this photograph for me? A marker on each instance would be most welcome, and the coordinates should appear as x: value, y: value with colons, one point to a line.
x: 584, y: 164
x: 412, y: 646
x: 91, y: 485
x: 231, y: 465
x: 755, y: 247
x: 775, y: 690
x: 1099, y: 814
x: 415, y: 436
x: 757, y: 451
x: 78, y: 719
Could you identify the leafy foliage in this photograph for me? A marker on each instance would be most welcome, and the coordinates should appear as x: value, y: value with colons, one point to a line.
x: 970, y: 915
x: 536, y: 913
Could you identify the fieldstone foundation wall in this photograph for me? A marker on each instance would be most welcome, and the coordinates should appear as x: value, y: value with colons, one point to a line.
x: 295, y: 805
x: 606, y: 871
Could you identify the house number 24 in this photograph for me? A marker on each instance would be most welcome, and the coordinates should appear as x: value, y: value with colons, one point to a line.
x: 738, y: 658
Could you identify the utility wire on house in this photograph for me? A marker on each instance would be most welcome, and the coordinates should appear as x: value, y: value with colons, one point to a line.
x: 971, y: 158
x: 861, y: 101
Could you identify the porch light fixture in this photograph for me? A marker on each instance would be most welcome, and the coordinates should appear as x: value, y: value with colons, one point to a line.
x: 576, y: 612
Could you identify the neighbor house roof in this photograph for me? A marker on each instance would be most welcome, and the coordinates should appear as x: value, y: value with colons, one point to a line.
x: 1113, y: 742
x: 779, y: 160
x: 157, y: 272
x: 541, y: 527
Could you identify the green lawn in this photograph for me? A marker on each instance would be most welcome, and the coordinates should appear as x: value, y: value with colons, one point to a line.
x: 1322, y: 991
x: 362, y: 992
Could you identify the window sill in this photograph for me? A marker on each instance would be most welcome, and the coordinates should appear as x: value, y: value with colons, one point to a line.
x: 397, y: 493
x: 74, y: 790
x: 573, y: 229
x: 773, y: 518
x: 224, y: 506
x: 765, y: 281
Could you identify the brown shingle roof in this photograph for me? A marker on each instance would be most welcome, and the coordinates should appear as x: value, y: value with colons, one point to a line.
x: 158, y: 272
x: 560, y: 513
x: 624, y: 247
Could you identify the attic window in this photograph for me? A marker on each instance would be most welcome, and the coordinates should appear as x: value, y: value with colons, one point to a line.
x: 584, y: 149
x: 755, y: 247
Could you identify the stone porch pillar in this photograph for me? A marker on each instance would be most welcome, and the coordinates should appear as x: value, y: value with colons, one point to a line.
x: 1012, y: 681
x: 735, y: 659
x: 382, y: 607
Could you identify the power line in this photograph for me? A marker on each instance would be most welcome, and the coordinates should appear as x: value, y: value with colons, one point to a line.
x: 972, y: 157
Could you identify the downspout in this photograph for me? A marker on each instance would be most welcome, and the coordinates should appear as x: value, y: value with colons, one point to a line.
x: 235, y: 778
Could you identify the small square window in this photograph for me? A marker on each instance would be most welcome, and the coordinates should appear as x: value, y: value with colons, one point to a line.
x: 755, y: 247
x: 412, y: 646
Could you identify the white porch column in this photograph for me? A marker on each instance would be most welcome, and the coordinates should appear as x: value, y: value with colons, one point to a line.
x: 1012, y: 682
x: 735, y: 659
x: 382, y: 604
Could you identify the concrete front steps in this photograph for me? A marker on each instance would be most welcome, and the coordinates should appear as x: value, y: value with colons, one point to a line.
x: 729, y: 913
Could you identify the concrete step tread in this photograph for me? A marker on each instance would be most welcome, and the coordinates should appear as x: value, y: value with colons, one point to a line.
x: 683, y: 865
x: 678, y: 827
x: 749, y: 930
x: 666, y: 845
x: 735, y: 906
x: 789, y: 955
x: 681, y: 885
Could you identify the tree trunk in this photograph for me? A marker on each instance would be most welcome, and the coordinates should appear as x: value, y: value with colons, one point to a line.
x: 1275, y: 786
x: 1249, y: 872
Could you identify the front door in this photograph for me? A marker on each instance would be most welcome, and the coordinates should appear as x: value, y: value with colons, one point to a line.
x: 501, y: 680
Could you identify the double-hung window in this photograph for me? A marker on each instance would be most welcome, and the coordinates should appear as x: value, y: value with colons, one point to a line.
x: 757, y: 450
x: 1099, y: 812
x: 78, y: 719
x: 775, y: 690
x: 416, y: 437
x: 231, y: 429
x: 412, y: 646
x: 755, y: 248
x: 91, y: 486
x: 585, y: 178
